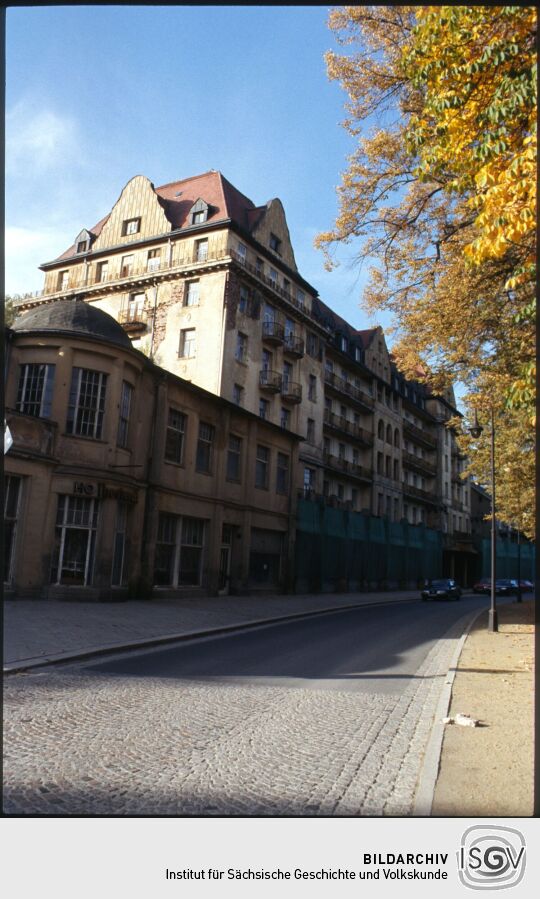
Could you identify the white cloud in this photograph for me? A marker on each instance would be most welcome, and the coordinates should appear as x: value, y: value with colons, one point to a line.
x: 39, y: 139
x: 25, y: 250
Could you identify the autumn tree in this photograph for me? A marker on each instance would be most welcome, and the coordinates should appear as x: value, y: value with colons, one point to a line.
x: 440, y: 191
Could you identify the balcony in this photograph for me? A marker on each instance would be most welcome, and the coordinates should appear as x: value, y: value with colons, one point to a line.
x: 341, y: 386
x: 293, y: 346
x: 291, y: 391
x: 273, y: 332
x: 417, y: 463
x: 422, y: 495
x: 339, y: 423
x: 270, y: 381
x: 133, y: 320
x: 418, y: 434
x: 344, y: 466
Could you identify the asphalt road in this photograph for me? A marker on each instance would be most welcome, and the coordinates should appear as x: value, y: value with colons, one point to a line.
x: 370, y: 649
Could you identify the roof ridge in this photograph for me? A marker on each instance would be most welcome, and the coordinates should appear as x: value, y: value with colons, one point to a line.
x: 192, y: 178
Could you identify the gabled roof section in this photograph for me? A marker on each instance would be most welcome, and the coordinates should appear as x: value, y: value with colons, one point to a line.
x: 334, y: 321
x: 225, y: 200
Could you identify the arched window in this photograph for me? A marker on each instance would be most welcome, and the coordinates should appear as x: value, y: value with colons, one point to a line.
x: 380, y: 429
x: 388, y: 434
x: 396, y: 437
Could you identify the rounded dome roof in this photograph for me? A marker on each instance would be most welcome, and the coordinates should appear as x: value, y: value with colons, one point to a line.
x: 73, y: 317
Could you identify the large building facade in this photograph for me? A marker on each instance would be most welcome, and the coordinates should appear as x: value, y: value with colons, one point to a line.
x: 205, y: 285
x: 125, y: 479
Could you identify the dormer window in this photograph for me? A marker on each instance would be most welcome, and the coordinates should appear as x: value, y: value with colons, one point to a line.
x: 82, y: 241
x: 131, y: 226
x: 275, y: 243
x: 198, y: 212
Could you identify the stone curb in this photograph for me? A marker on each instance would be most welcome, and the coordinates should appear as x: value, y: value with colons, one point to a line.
x: 164, y: 640
x: 430, y: 767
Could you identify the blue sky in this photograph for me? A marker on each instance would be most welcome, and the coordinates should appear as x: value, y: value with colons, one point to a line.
x: 96, y: 95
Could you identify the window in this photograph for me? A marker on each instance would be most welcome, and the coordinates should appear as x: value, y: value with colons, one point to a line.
x: 86, y: 404
x: 243, y: 302
x: 63, y: 280
x: 119, y: 568
x: 12, y: 491
x: 396, y: 437
x: 275, y: 243
x: 203, y: 460
x: 285, y: 419
x: 241, y: 347
x: 266, y: 360
x: 82, y: 246
x: 123, y: 421
x: 199, y: 212
x: 286, y: 285
x: 309, y: 481
x: 282, y: 474
x: 75, y: 537
x: 311, y: 344
x: 388, y: 507
x: 241, y: 252
x: 102, y: 271
x: 201, y: 250
x: 34, y: 393
x: 380, y: 501
x: 131, y: 226
x: 259, y: 267
x: 264, y: 407
x: 388, y: 434
x: 234, y: 455
x: 261, y: 467
x: 175, y: 437
x: 340, y: 491
x: 287, y: 376
x: 312, y: 388
x: 396, y: 470
x: 272, y: 276
x: 238, y: 394
x: 187, y: 343
x: 380, y: 430
x: 300, y: 297
x: 380, y: 462
x: 191, y: 297
x: 289, y: 328
x: 354, y: 498
x: 136, y: 306
x: 343, y: 344
x: 310, y: 430
x: 341, y: 451
x: 179, y: 548
x: 355, y: 456
x: 153, y: 261
x: 358, y: 354
x: 396, y: 510
x: 388, y: 467
x: 126, y: 268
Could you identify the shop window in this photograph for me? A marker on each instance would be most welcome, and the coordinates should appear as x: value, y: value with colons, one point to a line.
x: 12, y: 494
x: 179, y: 549
x: 75, y: 537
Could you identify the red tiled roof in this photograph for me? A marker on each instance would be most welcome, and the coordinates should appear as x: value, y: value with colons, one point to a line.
x: 177, y: 198
x: 336, y: 323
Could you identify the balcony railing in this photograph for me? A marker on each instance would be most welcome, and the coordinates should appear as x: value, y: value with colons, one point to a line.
x: 270, y: 380
x: 294, y: 346
x: 133, y: 319
x: 340, y: 423
x: 353, y: 469
x: 418, y: 434
x: 273, y: 332
x: 350, y: 390
x: 411, y: 461
x: 420, y: 494
x: 291, y: 391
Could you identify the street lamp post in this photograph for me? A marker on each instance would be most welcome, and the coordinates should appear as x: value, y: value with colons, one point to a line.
x: 476, y: 431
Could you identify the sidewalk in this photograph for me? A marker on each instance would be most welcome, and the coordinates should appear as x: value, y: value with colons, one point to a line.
x: 485, y: 770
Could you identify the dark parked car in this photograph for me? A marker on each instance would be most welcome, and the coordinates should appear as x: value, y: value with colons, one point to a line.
x: 443, y: 588
x: 483, y: 586
x: 526, y: 586
x: 506, y: 586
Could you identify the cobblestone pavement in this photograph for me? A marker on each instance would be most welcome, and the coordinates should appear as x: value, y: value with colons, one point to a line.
x: 79, y: 742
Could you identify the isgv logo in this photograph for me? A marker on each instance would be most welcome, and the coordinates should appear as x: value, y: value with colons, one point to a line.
x: 491, y: 858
